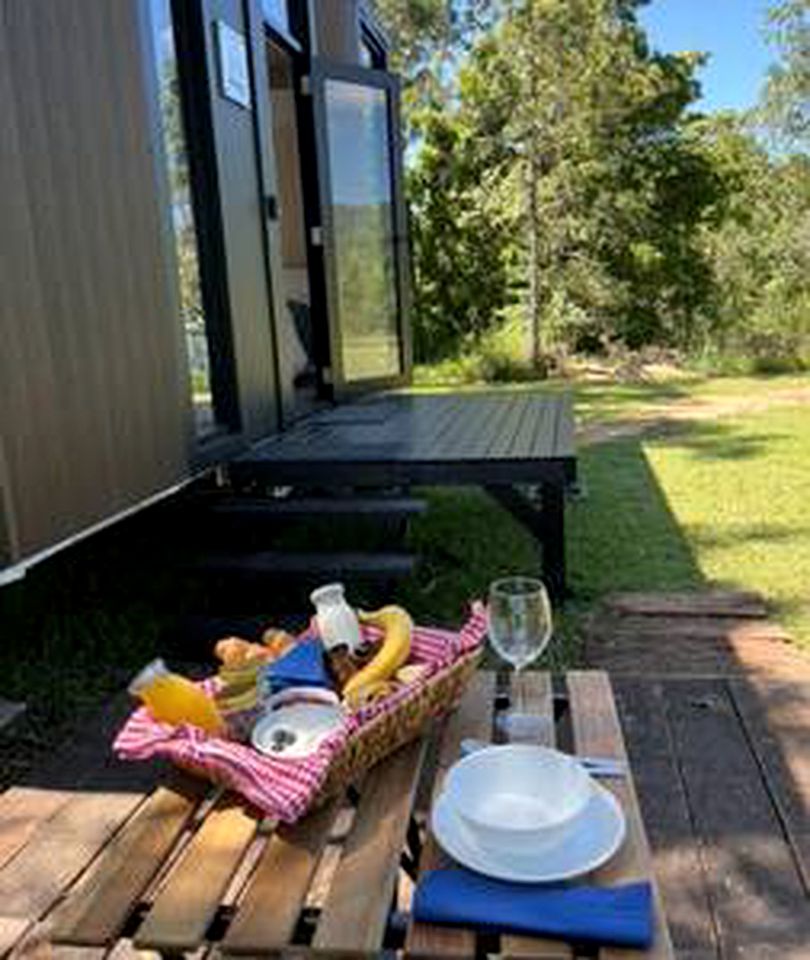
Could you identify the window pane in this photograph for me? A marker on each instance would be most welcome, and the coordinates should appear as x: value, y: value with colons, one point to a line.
x: 363, y: 229
x: 182, y: 217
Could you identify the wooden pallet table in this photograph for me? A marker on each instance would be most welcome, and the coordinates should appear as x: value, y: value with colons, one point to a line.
x: 181, y: 869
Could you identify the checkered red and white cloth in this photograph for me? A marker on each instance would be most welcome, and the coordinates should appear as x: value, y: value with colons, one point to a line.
x: 284, y: 788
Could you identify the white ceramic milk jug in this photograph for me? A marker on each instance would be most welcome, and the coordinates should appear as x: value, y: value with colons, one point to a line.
x: 337, y: 622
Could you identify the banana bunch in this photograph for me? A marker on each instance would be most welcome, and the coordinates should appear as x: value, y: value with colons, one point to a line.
x: 375, y: 679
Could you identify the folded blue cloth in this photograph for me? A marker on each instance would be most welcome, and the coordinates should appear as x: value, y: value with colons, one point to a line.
x: 620, y: 916
x: 303, y: 666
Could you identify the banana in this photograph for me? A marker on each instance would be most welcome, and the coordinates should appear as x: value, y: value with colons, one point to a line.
x: 396, y: 625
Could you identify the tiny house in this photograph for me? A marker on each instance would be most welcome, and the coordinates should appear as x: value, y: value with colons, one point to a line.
x: 203, y: 236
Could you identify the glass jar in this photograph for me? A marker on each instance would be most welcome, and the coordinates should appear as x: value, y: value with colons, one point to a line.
x: 337, y: 622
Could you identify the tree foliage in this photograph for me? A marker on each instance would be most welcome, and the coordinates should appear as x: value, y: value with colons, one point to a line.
x: 786, y: 101
x: 563, y: 175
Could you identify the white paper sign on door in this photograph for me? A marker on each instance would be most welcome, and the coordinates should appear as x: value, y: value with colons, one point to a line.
x: 234, y: 74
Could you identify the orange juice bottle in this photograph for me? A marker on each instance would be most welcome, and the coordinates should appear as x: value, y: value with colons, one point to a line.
x: 175, y: 699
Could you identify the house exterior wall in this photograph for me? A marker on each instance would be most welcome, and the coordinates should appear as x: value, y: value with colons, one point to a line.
x: 336, y: 29
x: 94, y: 414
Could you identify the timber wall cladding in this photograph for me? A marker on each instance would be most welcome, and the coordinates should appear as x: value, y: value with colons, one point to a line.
x: 93, y: 408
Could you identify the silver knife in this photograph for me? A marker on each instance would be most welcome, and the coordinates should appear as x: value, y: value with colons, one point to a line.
x: 596, y: 766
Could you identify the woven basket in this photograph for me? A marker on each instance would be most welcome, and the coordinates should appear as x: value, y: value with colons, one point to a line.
x: 287, y: 792
x: 390, y: 731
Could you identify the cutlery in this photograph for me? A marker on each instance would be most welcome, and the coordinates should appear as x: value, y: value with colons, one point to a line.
x: 596, y: 766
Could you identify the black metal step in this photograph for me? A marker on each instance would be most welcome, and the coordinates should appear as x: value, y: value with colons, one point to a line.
x: 10, y: 712
x: 258, y: 508
x: 310, y: 566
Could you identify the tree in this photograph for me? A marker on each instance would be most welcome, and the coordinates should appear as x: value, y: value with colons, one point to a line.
x: 427, y: 37
x: 758, y: 244
x: 460, y: 234
x: 785, y: 106
x: 592, y: 158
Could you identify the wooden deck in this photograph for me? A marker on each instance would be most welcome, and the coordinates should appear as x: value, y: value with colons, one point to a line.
x: 715, y: 708
x: 501, y: 440
x: 389, y: 439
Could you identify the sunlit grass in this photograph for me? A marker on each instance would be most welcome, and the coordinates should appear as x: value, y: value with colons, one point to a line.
x: 739, y: 490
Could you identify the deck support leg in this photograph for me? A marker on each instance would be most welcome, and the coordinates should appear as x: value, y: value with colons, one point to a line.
x: 553, y: 536
x: 546, y: 524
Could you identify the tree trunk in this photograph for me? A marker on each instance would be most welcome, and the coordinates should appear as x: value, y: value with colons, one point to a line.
x: 533, y: 173
x: 535, y: 298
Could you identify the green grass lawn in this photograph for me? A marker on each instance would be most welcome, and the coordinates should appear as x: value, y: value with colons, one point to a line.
x: 721, y: 501
x: 739, y: 491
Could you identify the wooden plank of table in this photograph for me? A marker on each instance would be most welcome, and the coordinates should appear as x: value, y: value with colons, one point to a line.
x: 61, y: 849
x: 83, y: 765
x: 283, y: 876
x: 37, y: 946
x: 597, y: 732
x: 776, y: 719
x: 531, y: 693
x: 356, y: 910
x: 96, y: 909
x: 12, y: 930
x: 473, y: 718
x: 22, y: 811
x: 185, y: 906
x: 33, y: 942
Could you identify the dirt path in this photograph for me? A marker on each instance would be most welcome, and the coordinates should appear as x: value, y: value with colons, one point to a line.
x: 658, y: 417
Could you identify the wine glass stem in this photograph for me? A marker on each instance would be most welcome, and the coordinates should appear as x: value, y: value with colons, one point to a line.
x: 517, y: 699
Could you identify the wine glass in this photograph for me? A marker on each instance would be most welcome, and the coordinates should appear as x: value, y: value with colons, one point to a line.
x: 520, y: 626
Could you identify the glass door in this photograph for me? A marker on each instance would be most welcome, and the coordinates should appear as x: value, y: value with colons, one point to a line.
x: 363, y: 232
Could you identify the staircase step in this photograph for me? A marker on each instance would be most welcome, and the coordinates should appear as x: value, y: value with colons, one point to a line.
x: 317, y: 566
x: 9, y: 712
x: 257, y: 508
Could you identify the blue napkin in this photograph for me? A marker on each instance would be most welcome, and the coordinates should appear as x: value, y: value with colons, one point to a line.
x: 303, y: 666
x: 620, y: 916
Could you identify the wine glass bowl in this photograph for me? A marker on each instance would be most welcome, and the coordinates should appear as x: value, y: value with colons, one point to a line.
x: 520, y: 626
x: 520, y: 621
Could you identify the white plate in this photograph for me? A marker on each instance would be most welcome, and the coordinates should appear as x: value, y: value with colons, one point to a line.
x: 599, y: 833
x: 296, y: 730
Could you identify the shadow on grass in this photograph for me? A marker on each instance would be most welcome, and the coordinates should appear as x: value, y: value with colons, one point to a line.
x: 711, y: 440
x: 623, y: 535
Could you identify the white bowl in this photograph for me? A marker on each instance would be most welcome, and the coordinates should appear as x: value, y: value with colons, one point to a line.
x: 518, y: 797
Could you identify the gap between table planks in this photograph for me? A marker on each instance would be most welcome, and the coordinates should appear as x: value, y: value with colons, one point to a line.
x: 354, y: 915
x: 531, y: 693
x: 283, y: 876
x: 597, y: 732
x: 357, y: 906
x: 185, y: 906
